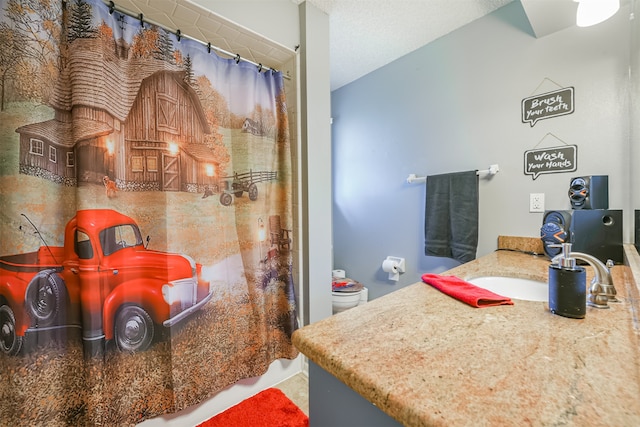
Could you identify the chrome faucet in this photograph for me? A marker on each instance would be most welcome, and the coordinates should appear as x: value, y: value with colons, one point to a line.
x: 601, y: 290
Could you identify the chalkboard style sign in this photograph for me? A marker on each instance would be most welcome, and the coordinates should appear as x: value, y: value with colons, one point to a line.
x: 551, y: 160
x: 547, y: 105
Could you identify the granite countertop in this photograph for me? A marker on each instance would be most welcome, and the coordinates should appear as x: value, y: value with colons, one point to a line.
x: 427, y: 359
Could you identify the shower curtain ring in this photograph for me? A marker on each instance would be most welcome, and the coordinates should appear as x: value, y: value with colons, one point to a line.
x: 208, y: 47
x: 178, y: 35
x: 141, y: 17
x: 112, y: 7
x: 237, y: 58
x: 259, y: 68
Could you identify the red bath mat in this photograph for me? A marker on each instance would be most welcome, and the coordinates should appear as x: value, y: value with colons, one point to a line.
x: 269, y: 408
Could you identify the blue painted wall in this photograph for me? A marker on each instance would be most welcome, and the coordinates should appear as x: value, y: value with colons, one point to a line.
x: 454, y: 105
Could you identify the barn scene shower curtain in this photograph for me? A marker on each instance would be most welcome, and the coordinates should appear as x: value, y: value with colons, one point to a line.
x: 146, y: 221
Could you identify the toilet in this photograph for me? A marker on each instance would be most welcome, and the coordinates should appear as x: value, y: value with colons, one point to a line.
x: 348, y: 297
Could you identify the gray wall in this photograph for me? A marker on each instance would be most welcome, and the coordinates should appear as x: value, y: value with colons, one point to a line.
x: 454, y: 105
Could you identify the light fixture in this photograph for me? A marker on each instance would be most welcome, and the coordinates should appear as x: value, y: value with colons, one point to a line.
x: 592, y: 12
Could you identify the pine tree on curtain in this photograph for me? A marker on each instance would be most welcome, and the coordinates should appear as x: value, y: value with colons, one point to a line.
x: 146, y: 229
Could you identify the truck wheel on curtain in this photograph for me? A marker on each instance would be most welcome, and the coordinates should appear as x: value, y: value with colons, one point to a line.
x: 226, y: 199
x: 133, y: 329
x: 45, y: 297
x: 253, y: 192
x: 10, y: 343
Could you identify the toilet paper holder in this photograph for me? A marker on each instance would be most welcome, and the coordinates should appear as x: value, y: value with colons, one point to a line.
x: 394, y: 266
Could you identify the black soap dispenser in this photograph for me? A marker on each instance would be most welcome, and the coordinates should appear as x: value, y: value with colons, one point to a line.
x: 567, y: 285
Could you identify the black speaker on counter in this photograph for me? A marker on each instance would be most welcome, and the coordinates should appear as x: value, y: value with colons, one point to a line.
x: 597, y: 232
x: 589, y: 192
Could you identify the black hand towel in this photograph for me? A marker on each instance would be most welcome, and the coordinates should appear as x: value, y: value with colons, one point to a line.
x: 451, y: 216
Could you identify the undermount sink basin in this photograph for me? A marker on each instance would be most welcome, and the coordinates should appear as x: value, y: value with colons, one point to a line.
x: 514, y: 287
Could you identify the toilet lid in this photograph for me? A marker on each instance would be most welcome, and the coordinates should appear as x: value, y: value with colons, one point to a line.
x: 346, y: 285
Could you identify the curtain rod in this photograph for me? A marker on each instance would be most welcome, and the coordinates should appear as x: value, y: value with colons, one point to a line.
x: 179, y: 35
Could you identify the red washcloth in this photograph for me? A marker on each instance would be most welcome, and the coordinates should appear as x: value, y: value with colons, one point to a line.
x: 465, y: 291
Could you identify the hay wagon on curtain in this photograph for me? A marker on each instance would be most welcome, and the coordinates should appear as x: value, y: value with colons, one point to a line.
x: 237, y: 184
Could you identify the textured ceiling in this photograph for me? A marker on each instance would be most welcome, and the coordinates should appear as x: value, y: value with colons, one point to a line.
x: 368, y: 34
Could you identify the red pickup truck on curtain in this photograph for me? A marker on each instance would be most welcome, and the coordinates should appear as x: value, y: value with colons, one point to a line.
x: 103, y: 281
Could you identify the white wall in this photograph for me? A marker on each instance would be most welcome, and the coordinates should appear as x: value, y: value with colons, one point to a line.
x: 275, y: 20
x: 454, y: 105
x: 316, y: 158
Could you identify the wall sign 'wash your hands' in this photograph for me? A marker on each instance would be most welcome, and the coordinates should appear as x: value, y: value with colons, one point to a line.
x: 550, y: 160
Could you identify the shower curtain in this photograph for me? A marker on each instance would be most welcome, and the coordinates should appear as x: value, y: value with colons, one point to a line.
x: 146, y: 221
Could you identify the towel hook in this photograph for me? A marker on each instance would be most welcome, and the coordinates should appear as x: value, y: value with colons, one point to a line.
x: 413, y: 179
x: 493, y: 169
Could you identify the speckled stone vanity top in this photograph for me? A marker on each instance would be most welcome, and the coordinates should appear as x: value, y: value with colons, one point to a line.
x: 427, y: 359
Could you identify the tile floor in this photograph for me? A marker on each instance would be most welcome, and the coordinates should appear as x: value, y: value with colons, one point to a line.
x: 297, y: 389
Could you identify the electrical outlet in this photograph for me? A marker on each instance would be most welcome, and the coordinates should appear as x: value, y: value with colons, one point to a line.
x: 536, y: 202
